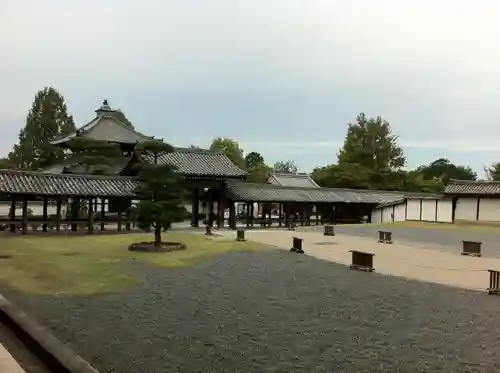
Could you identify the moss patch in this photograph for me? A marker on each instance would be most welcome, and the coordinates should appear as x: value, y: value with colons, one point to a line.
x: 95, y: 264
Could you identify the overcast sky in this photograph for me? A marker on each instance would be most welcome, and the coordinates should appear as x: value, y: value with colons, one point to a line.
x: 282, y: 77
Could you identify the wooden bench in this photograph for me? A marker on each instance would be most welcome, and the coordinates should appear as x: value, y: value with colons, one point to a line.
x: 384, y: 237
x: 297, y: 246
x: 471, y: 248
x: 494, y: 288
x: 362, y: 261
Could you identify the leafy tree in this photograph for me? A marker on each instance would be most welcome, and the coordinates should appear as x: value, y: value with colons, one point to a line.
x: 258, y: 174
x: 253, y: 159
x: 285, y: 167
x: 161, y: 191
x: 93, y: 156
x: 230, y: 148
x: 118, y: 114
x: 493, y: 172
x: 443, y: 169
x: 47, y: 120
x: 370, y: 143
x: 5, y: 163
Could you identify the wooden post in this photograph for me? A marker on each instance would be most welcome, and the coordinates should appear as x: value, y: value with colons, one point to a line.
x: 119, y: 220
x: 45, y: 217
x: 248, y: 214
x: 90, y: 222
x: 252, y: 214
x: 317, y: 213
x: 13, y: 214
x: 220, y: 213
x: 25, y: 216
x: 103, y: 213
x: 58, y: 214
x: 232, y: 215
x: 195, y: 221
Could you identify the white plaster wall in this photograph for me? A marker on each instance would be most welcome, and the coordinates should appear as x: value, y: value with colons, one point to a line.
x: 413, y: 209
x: 386, y: 214
x: 466, y: 208
x: 489, y: 209
x: 399, y: 212
x: 376, y: 215
x: 428, y: 209
x: 445, y: 211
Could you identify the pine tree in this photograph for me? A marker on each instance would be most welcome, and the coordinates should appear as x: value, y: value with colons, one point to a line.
x: 161, y: 192
x: 47, y: 120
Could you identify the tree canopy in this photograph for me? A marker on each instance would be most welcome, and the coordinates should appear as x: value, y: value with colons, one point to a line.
x: 493, y: 172
x: 47, y: 120
x: 161, y: 191
x: 443, y: 169
x: 285, y: 167
x: 231, y: 149
x: 93, y: 156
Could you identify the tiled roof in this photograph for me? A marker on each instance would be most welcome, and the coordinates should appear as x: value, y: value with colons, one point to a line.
x: 292, y: 180
x: 199, y: 162
x: 106, y: 127
x: 479, y: 187
x: 241, y: 191
x: 41, y: 183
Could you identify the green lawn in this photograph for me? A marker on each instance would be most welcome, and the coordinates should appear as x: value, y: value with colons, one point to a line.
x: 95, y: 264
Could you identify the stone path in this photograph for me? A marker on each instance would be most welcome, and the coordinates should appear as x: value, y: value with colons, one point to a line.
x: 7, y: 362
x: 397, y: 259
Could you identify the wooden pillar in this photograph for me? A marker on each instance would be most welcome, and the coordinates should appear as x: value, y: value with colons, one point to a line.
x: 220, y: 213
x: 280, y: 214
x: 12, y: 214
x: 232, y: 214
x: 210, y: 211
x: 45, y: 217
x: 25, y: 216
x: 90, y: 217
x: 75, y: 212
x: 195, y: 219
x: 317, y: 213
x: 247, y: 205
x: 103, y: 212
x: 302, y: 214
x: 119, y: 223
x: 58, y: 214
x: 252, y: 214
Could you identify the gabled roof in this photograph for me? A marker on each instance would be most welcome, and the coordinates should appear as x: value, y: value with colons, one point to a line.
x: 302, y: 180
x: 106, y: 127
x: 473, y: 188
x: 45, y: 184
x: 198, y: 162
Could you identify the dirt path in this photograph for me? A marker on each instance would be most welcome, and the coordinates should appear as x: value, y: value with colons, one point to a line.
x: 397, y: 260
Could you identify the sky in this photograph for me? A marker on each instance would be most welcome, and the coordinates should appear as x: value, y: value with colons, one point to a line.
x: 282, y: 77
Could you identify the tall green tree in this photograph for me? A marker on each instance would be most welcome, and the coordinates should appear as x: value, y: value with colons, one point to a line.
x: 370, y: 143
x: 258, y: 171
x: 443, y: 169
x: 94, y: 157
x: 47, y: 120
x: 253, y: 159
x: 161, y: 191
x: 230, y: 148
x: 285, y: 167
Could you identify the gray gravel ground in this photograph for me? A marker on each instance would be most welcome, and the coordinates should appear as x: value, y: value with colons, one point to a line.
x: 275, y: 311
x: 449, y: 240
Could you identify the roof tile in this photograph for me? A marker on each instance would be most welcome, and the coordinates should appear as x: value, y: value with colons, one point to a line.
x: 41, y: 183
x: 199, y: 162
x: 478, y: 187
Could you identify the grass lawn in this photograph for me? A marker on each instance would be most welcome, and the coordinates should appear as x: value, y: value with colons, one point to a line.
x: 95, y: 264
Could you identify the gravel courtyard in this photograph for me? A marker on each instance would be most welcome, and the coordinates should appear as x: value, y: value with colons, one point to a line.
x: 445, y: 239
x: 274, y: 311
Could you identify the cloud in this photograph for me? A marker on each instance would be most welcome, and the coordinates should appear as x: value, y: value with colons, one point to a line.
x: 263, y: 72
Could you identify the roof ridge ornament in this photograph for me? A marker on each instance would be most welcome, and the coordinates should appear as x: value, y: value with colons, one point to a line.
x: 105, y: 108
